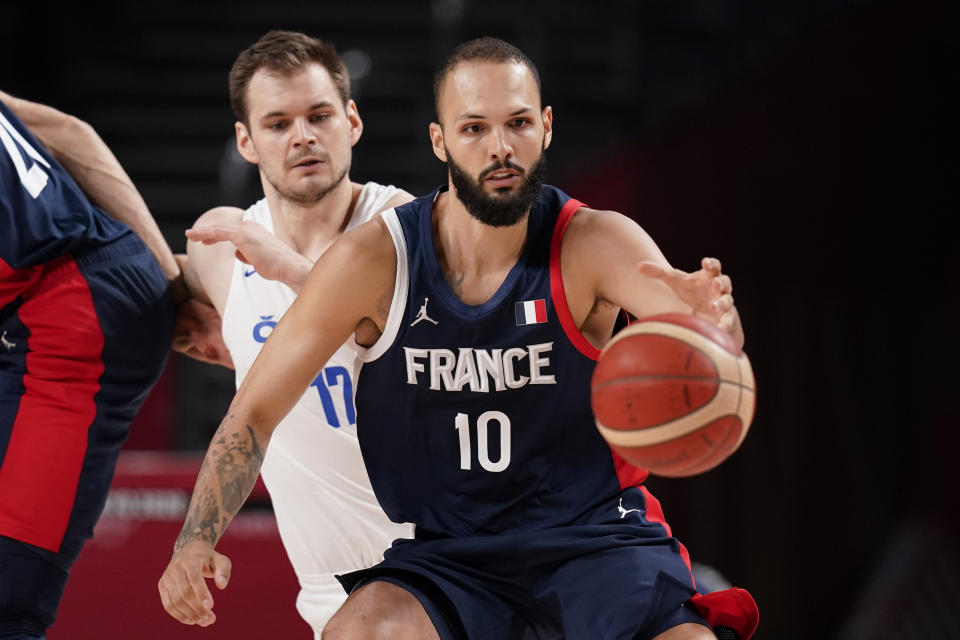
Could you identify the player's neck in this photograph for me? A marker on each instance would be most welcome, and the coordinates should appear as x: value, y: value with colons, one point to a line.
x: 473, y: 252
x: 311, y: 229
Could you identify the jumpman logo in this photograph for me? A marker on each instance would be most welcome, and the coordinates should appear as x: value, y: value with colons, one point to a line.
x: 6, y: 343
x: 422, y: 314
x: 624, y: 512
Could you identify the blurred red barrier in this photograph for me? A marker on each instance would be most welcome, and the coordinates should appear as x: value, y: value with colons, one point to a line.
x: 112, y: 592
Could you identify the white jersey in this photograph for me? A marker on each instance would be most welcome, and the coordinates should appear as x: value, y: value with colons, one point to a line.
x: 329, y: 520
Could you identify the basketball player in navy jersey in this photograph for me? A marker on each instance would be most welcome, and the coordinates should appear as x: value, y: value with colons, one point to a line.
x: 86, y: 319
x: 481, y: 309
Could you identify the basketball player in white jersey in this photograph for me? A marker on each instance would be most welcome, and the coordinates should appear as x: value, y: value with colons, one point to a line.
x: 296, y: 121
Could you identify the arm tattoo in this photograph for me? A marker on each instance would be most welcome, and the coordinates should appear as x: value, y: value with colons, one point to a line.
x: 229, y: 471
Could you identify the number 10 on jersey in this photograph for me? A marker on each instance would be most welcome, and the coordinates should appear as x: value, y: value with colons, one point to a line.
x: 462, y: 424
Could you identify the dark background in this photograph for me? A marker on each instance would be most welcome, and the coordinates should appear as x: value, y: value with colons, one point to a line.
x: 803, y: 142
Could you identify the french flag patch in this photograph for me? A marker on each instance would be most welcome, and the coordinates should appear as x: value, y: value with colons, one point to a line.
x: 531, y: 312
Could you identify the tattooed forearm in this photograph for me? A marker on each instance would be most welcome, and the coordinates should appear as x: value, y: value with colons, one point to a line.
x: 203, y: 521
x: 229, y: 471
x: 238, y: 467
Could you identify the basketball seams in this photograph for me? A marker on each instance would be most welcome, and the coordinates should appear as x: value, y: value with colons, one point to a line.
x: 727, y: 363
x: 678, y: 427
x: 661, y: 376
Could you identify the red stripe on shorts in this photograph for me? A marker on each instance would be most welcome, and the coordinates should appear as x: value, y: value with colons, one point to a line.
x: 48, y: 441
x: 627, y: 474
x: 14, y: 281
x: 655, y: 514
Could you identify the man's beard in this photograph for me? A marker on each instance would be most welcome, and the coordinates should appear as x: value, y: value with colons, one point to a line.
x: 312, y: 193
x: 499, y: 210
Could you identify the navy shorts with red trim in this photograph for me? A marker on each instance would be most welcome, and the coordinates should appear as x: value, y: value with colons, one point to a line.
x: 83, y: 339
x: 617, y: 573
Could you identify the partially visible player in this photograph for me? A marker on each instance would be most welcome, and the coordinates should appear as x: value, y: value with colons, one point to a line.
x: 483, y: 307
x: 295, y: 120
x: 86, y: 319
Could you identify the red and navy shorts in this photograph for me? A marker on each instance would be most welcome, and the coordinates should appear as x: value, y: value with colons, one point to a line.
x: 83, y: 339
x: 615, y: 573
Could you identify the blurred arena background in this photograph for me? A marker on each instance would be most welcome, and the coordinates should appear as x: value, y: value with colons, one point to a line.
x: 803, y: 142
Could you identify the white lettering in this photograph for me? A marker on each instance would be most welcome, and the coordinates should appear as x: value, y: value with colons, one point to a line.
x: 538, y: 361
x: 442, y: 362
x: 514, y: 381
x: 483, y: 370
x: 490, y: 363
x: 466, y: 371
x: 414, y: 367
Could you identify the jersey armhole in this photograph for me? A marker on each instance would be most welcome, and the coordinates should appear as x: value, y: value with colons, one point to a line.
x: 556, y: 283
x: 398, y: 304
x: 237, y: 276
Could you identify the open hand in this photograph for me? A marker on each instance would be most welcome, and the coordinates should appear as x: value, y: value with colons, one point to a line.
x: 267, y: 254
x: 183, y: 588
x: 708, y: 291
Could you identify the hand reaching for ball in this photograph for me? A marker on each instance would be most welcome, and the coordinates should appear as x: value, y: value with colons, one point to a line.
x: 708, y: 291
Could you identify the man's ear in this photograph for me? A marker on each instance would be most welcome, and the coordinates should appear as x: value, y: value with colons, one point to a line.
x: 547, y: 116
x: 245, y: 143
x: 356, y: 124
x: 436, y: 139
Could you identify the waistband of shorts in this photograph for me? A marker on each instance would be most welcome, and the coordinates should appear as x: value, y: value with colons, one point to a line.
x: 125, y: 246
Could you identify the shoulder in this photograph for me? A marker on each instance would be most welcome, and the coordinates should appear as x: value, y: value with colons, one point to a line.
x: 401, y: 197
x: 371, y: 240
x: 599, y: 241
x: 594, y: 225
x: 213, y: 260
x: 380, y: 197
x: 220, y: 215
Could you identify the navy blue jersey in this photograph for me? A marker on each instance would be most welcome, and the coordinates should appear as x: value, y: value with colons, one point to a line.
x: 43, y: 213
x: 476, y: 419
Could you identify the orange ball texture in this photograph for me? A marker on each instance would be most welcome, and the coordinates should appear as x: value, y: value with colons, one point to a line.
x: 673, y: 394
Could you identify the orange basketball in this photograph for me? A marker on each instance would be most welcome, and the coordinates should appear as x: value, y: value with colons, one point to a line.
x: 673, y: 394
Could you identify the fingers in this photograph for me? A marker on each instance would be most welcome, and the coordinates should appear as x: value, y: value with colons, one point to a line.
x: 721, y: 285
x: 722, y: 305
x: 221, y: 571
x: 728, y: 321
x: 210, y: 234
x: 185, y: 596
x: 711, y: 266
x: 179, y: 613
x: 183, y: 589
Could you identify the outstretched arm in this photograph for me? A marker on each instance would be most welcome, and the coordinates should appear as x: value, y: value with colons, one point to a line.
x: 631, y: 272
x: 254, y: 245
x: 263, y: 251
x: 306, y: 337
x: 84, y: 154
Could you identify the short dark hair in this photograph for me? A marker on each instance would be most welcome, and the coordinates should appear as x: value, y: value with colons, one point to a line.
x: 284, y: 52
x: 480, y: 50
